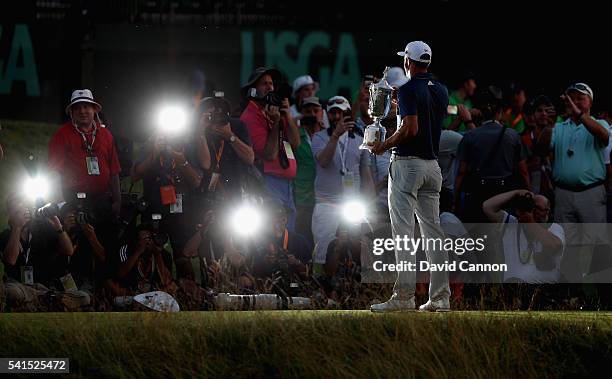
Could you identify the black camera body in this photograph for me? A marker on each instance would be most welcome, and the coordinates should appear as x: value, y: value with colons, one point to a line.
x: 131, y: 207
x: 308, y: 120
x: 159, y: 238
x: 82, y: 214
x: 219, y: 118
x: 273, y: 99
x: 523, y: 203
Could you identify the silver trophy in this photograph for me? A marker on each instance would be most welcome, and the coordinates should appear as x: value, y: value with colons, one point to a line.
x: 379, y: 107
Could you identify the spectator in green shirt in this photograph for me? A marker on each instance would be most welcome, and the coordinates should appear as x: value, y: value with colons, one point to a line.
x: 311, y: 121
x: 460, y: 96
x: 513, y: 116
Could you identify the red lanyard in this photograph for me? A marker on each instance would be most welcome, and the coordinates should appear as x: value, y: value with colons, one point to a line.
x: 286, y: 240
x: 218, y: 155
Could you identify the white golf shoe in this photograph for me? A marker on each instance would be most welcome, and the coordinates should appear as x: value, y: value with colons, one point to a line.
x: 440, y: 305
x: 394, y: 304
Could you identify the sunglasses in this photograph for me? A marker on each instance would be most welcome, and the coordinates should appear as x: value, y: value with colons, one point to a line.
x: 336, y: 101
x: 579, y: 86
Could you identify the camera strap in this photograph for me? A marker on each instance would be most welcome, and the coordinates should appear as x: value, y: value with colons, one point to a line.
x: 143, y: 275
x: 524, y: 256
x: 282, y: 152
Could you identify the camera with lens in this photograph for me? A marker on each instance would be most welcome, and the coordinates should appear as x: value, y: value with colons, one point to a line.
x: 523, y: 203
x: 159, y: 238
x: 273, y: 99
x: 218, y: 109
x: 308, y: 120
x: 83, y: 215
x: 131, y: 207
x: 47, y: 211
x: 219, y: 118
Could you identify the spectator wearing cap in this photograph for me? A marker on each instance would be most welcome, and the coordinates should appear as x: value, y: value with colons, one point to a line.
x: 83, y: 152
x: 461, y: 98
x: 579, y: 171
x: 513, y: 115
x: 84, y: 155
x: 415, y: 178
x: 274, y: 136
x: 342, y: 170
x: 490, y: 157
x: 303, y: 86
x: 311, y: 122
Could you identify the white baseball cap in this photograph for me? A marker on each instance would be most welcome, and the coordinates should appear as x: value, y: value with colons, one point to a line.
x: 583, y: 88
x: 302, y: 81
x: 417, y: 51
x: 396, y: 77
x: 82, y: 96
x: 339, y: 102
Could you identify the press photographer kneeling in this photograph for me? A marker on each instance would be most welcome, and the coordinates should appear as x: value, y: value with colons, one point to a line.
x: 34, y: 249
x: 532, y: 246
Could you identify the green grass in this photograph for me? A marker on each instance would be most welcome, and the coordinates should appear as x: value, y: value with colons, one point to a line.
x: 316, y: 343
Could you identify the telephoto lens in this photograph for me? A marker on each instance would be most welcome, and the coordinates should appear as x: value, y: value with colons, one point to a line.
x: 229, y: 302
x: 47, y: 211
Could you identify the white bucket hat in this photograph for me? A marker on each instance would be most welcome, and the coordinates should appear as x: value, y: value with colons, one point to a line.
x: 82, y: 96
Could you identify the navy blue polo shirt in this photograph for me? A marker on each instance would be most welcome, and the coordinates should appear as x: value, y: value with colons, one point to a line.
x: 426, y: 98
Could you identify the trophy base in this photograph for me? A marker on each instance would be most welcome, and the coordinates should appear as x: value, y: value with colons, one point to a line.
x: 372, y: 134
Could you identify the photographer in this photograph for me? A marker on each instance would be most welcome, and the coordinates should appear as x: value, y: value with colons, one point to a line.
x: 227, y: 142
x: 273, y: 133
x: 343, y: 261
x: 34, y: 249
x: 532, y: 247
x: 280, y: 251
x: 143, y: 265
x: 167, y: 166
x: 88, y: 263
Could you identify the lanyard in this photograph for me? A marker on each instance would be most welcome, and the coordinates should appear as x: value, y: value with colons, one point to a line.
x: 88, y: 147
x: 286, y: 240
x: 27, y: 252
x: 218, y: 156
x: 518, y: 245
x: 343, y: 151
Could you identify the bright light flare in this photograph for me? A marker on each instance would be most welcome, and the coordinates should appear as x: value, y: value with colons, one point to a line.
x: 172, y: 119
x: 246, y: 220
x: 36, y: 188
x: 354, y: 211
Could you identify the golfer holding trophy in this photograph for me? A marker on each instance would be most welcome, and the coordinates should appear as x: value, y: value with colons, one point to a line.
x: 415, y: 179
